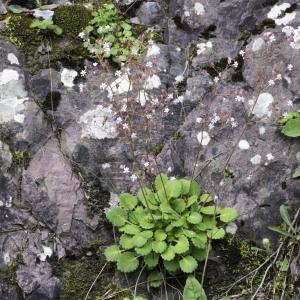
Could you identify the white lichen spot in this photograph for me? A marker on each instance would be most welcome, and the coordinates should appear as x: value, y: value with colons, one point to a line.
x: 256, y: 160
x: 68, y: 76
x: 203, y: 138
x: 120, y: 86
x: 270, y: 156
x: 152, y: 82
x: 98, y: 124
x: 1, y: 203
x: 8, y: 75
x: 12, y: 59
x: 12, y: 95
x: 288, y: 18
x: 258, y: 44
x: 47, y: 252
x: 199, y: 9
x: 262, y: 130
x: 262, y: 105
x: 244, y: 145
x: 6, y: 258
x: 153, y: 50
x: 277, y: 10
x: 45, y: 14
x: 19, y: 118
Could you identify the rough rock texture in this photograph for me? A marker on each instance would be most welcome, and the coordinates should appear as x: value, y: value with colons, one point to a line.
x: 61, y: 147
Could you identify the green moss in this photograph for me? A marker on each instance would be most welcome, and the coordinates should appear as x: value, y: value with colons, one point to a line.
x: 181, y: 87
x: 157, y: 149
x: 9, y: 272
x: 72, y: 19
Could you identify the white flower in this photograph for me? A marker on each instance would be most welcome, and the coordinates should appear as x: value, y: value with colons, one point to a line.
x: 211, y: 126
x: 290, y: 103
x: 83, y: 72
x: 118, y: 73
x: 148, y: 116
x: 272, y: 38
x: 172, y: 178
x: 242, y: 53
x: 270, y: 156
x: 135, y: 51
x: 179, y: 99
x: 133, y: 135
x: 106, y: 47
x: 149, y: 64
x: 133, y: 177
x: 81, y: 87
x: 279, y: 77
x: 103, y: 86
x: 146, y: 164
x: 126, y: 170
x: 271, y: 82
x: 125, y: 126
x: 179, y: 78
x: 229, y: 60
x: 198, y: 120
x: 81, y: 35
x: 95, y: 64
x: 239, y: 98
x: 105, y: 166
x: 166, y: 110
x: 216, y: 79
x: 178, y: 49
x: 169, y: 169
x: 290, y: 67
x: 187, y: 13
x: 199, y: 9
x: 233, y: 123
x: 236, y: 64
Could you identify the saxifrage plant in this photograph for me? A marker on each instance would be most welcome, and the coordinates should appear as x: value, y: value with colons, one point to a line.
x: 110, y: 36
x: 167, y: 229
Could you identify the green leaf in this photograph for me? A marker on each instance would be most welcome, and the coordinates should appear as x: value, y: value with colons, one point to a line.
x: 127, y: 262
x: 191, y: 200
x: 284, y: 265
x: 199, y: 254
x: 193, y: 290
x: 200, y: 241
x: 178, y: 205
x: 292, y: 128
x: 285, y: 215
x: 228, y: 215
x: 208, y: 222
x: 160, y: 235
x: 159, y: 246
x: 147, y: 198
x: 151, y: 260
x: 182, y: 245
x: 210, y: 210
x: 145, y: 250
x: 279, y: 230
x: 161, y: 181
x: 185, y: 184
x: 189, y: 233
x: 188, y: 264
x: 169, y: 254
x: 128, y: 201
x: 130, y: 229
x: 112, y: 253
x: 173, y: 188
x: 296, y: 173
x: 155, y: 279
x: 126, y: 241
x: 117, y: 216
x: 195, y: 188
x: 216, y: 233
x: 139, y: 240
x: 194, y: 218
x: 16, y: 9
x: 57, y: 30
x: 171, y: 266
x: 206, y: 198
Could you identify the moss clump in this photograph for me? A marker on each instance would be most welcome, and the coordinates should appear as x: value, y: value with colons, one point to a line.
x: 9, y: 272
x: 72, y: 19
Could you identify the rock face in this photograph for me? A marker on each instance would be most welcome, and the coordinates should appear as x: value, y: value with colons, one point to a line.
x: 235, y: 68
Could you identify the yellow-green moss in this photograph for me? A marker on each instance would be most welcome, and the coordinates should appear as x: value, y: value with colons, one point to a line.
x: 72, y: 19
x: 9, y: 272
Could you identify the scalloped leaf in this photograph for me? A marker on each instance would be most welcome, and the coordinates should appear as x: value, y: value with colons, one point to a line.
x: 145, y: 250
x: 155, y: 279
x: 159, y: 246
x: 228, y: 214
x: 296, y: 173
x: 193, y: 290
x: 205, y: 198
x: 117, y: 216
x: 151, y: 260
x: 130, y: 229
x: 128, y: 201
x: 292, y: 128
x: 193, y: 199
x: 169, y: 254
x: 139, y: 240
x: 127, y: 262
x: 194, y: 218
x: 173, y: 188
x: 200, y: 241
x: 161, y: 181
x: 216, y: 233
x: 112, y: 253
x: 195, y: 188
x: 160, y: 235
x: 182, y: 245
x: 126, y: 242
x: 178, y: 205
x: 210, y: 210
x: 185, y: 184
x: 188, y: 264
x: 171, y: 266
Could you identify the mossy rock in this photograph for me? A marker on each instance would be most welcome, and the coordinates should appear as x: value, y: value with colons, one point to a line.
x: 72, y: 19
